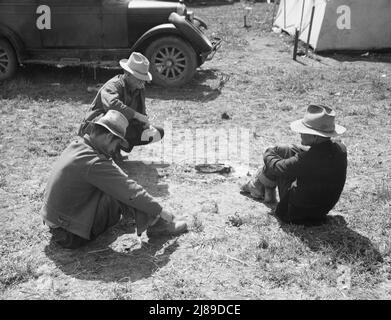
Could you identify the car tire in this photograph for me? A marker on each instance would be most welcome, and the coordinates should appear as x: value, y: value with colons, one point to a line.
x: 8, y: 60
x: 172, y: 61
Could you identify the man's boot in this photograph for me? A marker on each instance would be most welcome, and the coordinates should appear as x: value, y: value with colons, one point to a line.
x: 256, y: 193
x: 163, y: 227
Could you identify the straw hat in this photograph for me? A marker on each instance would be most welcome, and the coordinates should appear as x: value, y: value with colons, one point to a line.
x: 318, y: 120
x: 137, y: 65
x: 116, y: 123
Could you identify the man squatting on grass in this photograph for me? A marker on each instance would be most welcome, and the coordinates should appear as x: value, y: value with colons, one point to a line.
x: 309, y: 180
x: 87, y: 192
x: 126, y: 94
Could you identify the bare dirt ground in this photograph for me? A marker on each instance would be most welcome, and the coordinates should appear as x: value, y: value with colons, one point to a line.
x: 235, y: 248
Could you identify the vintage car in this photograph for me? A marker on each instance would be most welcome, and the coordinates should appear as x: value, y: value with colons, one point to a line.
x: 98, y: 33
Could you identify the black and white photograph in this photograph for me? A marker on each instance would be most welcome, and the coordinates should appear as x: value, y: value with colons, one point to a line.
x: 217, y: 152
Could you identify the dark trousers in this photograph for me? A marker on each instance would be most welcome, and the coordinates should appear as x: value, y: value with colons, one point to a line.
x: 286, y: 211
x: 134, y: 135
x: 108, y: 214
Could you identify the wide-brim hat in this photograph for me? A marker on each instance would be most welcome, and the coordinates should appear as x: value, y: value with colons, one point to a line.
x: 318, y: 120
x: 137, y: 65
x: 116, y: 123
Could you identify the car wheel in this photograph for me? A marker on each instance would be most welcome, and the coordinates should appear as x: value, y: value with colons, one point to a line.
x: 172, y: 61
x: 8, y: 61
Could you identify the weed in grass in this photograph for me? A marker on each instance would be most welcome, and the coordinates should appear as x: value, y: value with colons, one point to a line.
x: 122, y: 291
x: 383, y: 192
x: 15, y: 271
x: 197, y: 224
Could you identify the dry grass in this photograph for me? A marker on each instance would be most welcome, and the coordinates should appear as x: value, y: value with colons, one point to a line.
x: 235, y: 248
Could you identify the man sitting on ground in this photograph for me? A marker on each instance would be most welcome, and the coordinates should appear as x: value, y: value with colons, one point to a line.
x: 309, y: 180
x: 87, y: 192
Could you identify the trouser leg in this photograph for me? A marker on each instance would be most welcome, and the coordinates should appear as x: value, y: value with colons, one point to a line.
x: 283, y: 184
x: 107, y: 215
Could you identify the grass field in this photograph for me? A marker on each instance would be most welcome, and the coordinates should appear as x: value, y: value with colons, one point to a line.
x: 235, y: 249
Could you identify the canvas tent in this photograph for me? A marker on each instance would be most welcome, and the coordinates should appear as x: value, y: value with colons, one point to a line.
x: 338, y: 24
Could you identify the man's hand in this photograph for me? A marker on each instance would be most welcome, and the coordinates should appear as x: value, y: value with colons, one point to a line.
x: 142, y: 118
x: 166, y: 216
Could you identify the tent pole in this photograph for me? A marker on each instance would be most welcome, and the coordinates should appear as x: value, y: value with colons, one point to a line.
x: 309, y: 31
x: 296, y: 43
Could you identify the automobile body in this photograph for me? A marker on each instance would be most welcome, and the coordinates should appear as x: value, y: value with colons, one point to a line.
x: 99, y: 33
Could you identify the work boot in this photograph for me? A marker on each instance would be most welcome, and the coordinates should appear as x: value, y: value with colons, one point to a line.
x: 270, y: 195
x: 162, y: 227
x: 250, y: 188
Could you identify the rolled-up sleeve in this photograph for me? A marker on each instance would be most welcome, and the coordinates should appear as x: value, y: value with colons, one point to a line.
x: 109, y: 178
x: 111, y: 99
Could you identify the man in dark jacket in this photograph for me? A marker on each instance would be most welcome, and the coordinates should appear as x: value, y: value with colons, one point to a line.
x: 126, y: 93
x: 87, y: 193
x: 309, y: 180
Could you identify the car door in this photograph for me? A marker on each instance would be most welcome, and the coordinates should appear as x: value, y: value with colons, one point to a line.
x: 74, y: 24
x: 114, y: 24
x: 19, y: 17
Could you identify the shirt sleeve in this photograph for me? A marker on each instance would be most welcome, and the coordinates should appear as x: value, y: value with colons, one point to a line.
x: 109, y: 178
x: 276, y: 165
x: 111, y: 99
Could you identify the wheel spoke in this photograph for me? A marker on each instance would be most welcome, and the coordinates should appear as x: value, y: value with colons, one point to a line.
x: 177, y: 54
x: 172, y: 72
x: 180, y: 65
x: 167, y: 52
x: 181, y: 59
x: 166, y: 72
x: 3, y: 60
x: 173, y: 53
x: 179, y: 71
x: 162, y: 54
x: 3, y: 55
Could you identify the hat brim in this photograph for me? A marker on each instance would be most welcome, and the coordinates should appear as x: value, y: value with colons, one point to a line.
x: 123, y: 143
x: 299, y: 127
x: 123, y: 64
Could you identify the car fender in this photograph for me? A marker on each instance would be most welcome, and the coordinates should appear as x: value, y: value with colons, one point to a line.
x: 166, y: 28
x: 195, y: 36
x: 14, y: 39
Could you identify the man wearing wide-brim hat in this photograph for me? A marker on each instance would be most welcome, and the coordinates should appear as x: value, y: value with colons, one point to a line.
x: 87, y: 193
x: 309, y: 180
x: 126, y: 93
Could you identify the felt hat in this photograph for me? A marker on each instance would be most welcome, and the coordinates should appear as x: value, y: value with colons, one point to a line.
x: 137, y: 65
x: 116, y: 123
x: 318, y: 120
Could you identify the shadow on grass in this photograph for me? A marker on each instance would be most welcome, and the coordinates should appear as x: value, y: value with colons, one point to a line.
x: 382, y: 56
x: 335, y: 238
x: 129, y: 260
x: 146, y: 175
x: 196, y: 90
x: 71, y: 83
x: 207, y: 3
